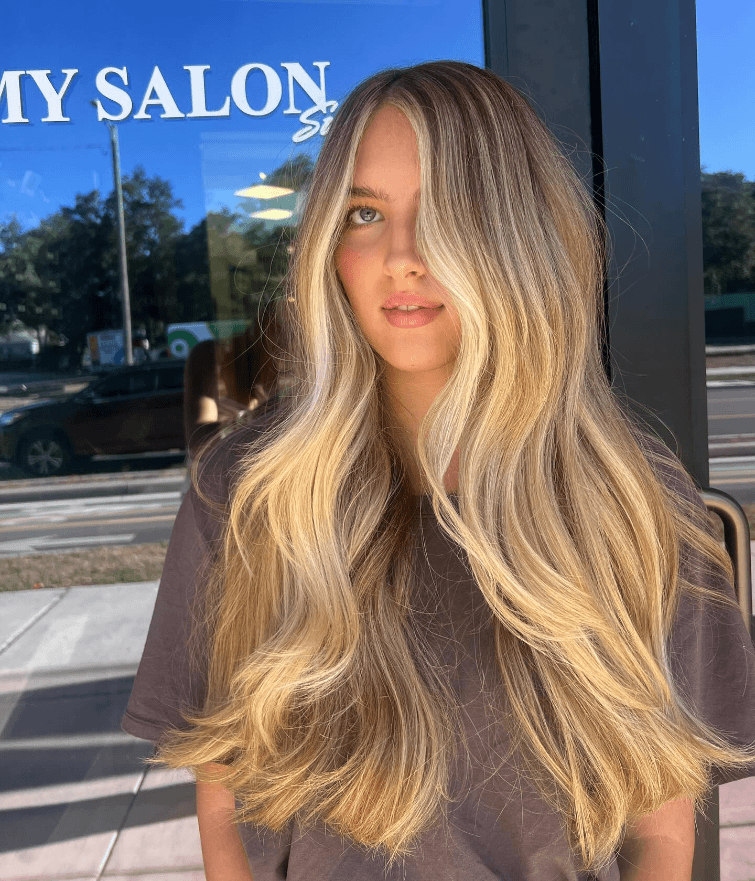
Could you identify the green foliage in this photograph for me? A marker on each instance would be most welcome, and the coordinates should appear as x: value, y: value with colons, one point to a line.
x: 64, y: 274
x: 728, y: 214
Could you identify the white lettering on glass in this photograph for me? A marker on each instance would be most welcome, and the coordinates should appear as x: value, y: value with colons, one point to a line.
x: 158, y: 93
x: 113, y: 93
x: 198, y: 94
x: 314, y: 125
x: 163, y: 97
x: 10, y: 86
x: 54, y: 99
x: 239, y: 93
x: 297, y: 73
x: 316, y: 93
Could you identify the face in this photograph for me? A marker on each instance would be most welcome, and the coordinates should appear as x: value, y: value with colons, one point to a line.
x: 376, y: 259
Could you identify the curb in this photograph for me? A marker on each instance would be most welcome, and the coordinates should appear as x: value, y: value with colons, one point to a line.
x: 34, y: 491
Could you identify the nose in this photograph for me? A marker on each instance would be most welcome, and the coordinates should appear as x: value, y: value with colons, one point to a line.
x: 401, y: 258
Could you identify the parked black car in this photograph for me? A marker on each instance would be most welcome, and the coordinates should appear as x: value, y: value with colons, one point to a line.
x: 135, y: 409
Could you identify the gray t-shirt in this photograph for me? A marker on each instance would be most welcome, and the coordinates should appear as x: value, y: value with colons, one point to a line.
x: 498, y: 827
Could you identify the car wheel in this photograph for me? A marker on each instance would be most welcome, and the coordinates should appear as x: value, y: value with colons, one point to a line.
x: 45, y: 455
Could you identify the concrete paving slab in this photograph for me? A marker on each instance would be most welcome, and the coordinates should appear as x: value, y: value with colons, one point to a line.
x: 58, y: 660
x: 98, y: 812
x: 185, y: 875
x: 89, y: 626
x: 737, y: 804
x: 738, y: 853
x: 66, y: 793
x: 20, y: 608
x: 160, y: 847
x: 80, y: 812
x: 80, y: 858
x: 161, y: 831
x: 69, y: 773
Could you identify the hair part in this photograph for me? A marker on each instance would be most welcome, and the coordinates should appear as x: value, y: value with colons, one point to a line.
x: 322, y: 699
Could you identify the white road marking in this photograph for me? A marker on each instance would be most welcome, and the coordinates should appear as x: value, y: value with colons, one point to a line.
x: 60, y: 509
x: 31, y: 545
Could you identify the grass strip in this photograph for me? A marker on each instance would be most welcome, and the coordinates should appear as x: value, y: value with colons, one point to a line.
x: 102, y: 565
x: 123, y: 564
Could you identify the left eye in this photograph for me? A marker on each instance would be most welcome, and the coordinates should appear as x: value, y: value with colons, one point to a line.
x: 357, y: 211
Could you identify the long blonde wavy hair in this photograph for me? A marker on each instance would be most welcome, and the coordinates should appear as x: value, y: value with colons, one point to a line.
x: 321, y: 703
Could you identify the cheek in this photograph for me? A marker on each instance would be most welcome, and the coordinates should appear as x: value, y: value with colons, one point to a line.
x: 347, y: 264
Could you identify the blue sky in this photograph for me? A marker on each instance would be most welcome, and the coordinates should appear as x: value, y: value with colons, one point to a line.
x: 726, y: 84
x: 44, y: 164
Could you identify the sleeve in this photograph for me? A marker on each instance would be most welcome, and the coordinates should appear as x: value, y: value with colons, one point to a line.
x: 166, y: 681
x: 712, y: 655
x: 172, y: 674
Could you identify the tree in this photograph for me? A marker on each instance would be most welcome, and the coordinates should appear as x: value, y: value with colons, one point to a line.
x: 728, y: 214
x: 64, y: 274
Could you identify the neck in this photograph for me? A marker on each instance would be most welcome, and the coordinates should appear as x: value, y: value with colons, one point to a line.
x: 408, y: 397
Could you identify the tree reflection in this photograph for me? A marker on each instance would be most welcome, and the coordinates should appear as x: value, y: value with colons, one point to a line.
x: 61, y: 277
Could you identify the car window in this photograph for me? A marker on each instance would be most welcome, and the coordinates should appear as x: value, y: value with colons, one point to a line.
x: 171, y: 378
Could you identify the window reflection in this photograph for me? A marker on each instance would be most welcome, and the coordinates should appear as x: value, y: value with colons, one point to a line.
x: 728, y: 227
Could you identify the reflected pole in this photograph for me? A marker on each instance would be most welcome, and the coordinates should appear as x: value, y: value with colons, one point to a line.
x: 128, y: 351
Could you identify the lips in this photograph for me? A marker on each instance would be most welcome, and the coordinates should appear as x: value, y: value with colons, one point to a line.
x: 408, y: 318
x: 406, y: 299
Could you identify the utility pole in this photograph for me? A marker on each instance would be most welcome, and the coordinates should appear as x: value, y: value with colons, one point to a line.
x: 125, y: 297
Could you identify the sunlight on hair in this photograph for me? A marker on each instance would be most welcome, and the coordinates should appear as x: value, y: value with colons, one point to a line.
x: 323, y: 704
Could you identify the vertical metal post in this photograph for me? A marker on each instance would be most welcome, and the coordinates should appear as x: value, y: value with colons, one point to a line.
x: 617, y: 83
x: 128, y: 351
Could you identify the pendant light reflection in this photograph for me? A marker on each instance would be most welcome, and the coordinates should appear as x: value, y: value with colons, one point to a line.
x: 266, y: 191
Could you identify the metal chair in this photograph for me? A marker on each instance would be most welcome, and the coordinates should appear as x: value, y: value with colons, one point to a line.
x: 707, y: 861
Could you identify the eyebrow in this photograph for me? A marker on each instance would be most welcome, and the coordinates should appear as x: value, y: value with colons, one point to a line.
x: 380, y: 195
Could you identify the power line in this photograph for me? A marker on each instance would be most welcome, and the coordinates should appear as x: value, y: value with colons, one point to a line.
x: 46, y: 149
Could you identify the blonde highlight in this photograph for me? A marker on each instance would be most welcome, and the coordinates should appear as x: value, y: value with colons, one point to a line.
x: 323, y: 702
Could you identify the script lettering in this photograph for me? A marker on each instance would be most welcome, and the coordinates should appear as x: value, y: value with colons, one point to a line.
x: 314, y: 125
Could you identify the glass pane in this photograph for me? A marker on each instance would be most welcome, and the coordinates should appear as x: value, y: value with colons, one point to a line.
x: 727, y: 156
x: 218, y: 111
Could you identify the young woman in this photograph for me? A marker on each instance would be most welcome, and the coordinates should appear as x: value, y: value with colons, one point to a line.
x: 446, y: 612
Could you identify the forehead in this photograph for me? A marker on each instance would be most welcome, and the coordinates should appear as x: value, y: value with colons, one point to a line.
x: 378, y: 194
x: 387, y: 157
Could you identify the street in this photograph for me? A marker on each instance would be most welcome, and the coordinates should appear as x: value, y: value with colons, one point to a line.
x: 142, y: 516
x: 65, y: 525
x: 86, y: 511
x: 731, y: 420
x: 134, y: 500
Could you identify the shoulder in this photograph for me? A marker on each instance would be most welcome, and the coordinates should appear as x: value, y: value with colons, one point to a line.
x: 671, y: 471
x: 220, y: 464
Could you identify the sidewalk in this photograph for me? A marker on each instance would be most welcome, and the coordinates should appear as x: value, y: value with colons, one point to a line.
x: 76, y: 802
